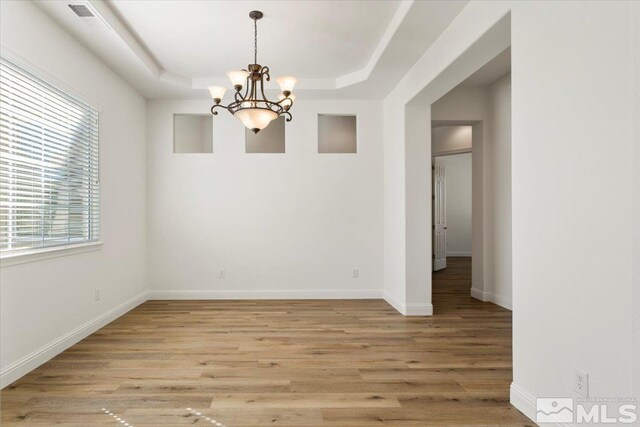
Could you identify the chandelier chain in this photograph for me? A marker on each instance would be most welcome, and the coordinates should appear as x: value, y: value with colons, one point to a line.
x: 255, y: 41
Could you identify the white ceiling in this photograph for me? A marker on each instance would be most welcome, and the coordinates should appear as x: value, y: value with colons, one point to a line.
x: 307, y: 39
x: 337, y: 49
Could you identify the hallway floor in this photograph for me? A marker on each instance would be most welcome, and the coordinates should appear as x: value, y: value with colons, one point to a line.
x: 282, y: 363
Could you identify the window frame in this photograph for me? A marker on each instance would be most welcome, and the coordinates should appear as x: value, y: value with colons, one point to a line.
x: 10, y: 258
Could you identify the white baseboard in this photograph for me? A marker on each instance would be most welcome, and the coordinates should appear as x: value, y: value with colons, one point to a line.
x: 419, y: 310
x: 409, y: 309
x: 500, y: 300
x: 31, y: 361
x: 240, y: 295
x: 525, y: 402
x: 459, y: 254
x: 479, y: 295
x: 400, y: 308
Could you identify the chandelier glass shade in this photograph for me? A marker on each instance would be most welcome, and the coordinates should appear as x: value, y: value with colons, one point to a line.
x: 251, y: 106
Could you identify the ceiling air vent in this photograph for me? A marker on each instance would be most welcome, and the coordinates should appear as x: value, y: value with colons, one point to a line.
x: 81, y: 10
x: 90, y: 16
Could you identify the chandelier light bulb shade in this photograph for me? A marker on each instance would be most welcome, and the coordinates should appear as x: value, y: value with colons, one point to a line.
x: 256, y: 119
x: 217, y: 92
x: 287, y: 83
x: 250, y: 104
x: 238, y: 77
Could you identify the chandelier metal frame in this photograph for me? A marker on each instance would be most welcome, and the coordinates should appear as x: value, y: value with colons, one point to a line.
x: 254, y: 96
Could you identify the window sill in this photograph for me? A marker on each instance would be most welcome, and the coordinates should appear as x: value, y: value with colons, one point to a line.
x: 7, y: 260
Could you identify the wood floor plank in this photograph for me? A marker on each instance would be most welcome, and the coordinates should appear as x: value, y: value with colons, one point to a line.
x: 307, y: 363
x: 306, y: 400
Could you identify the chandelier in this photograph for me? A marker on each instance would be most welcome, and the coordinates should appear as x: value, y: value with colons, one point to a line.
x: 252, y: 107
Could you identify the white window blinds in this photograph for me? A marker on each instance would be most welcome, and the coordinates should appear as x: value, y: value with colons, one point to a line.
x: 49, y: 186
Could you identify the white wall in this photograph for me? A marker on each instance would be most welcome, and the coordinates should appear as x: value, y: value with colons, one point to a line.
x: 558, y: 131
x: 280, y: 225
x: 43, y: 301
x: 458, y: 203
x: 497, y: 195
x: 636, y: 205
x: 462, y: 103
x: 418, y: 220
x: 451, y: 139
x: 559, y: 298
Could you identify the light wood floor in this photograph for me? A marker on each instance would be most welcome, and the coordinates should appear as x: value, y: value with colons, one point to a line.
x: 282, y: 363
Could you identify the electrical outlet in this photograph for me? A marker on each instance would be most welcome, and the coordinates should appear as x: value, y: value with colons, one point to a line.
x: 581, y: 382
x: 221, y: 273
x: 96, y: 294
x: 355, y: 274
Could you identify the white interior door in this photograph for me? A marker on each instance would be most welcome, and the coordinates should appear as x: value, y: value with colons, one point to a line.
x: 439, y: 215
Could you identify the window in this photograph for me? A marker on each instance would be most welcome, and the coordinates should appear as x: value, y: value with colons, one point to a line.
x: 337, y: 133
x: 49, y: 186
x: 192, y: 133
x: 268, y: 140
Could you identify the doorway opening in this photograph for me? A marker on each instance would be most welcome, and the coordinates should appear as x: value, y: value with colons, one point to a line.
x: 451, y: 215
x: 452, y: 203
x: 471, y: 187
x: 473, y: 90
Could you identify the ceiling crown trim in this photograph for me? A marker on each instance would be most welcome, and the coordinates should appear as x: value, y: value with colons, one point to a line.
x: 147, y: 58
x: 364, y: 73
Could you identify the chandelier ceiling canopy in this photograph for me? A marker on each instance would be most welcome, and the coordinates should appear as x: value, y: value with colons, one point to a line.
x: 252, y: 107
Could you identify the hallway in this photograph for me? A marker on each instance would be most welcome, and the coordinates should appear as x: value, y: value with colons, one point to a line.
x: 451, y: 290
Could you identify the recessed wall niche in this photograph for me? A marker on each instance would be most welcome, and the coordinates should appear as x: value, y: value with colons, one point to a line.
x: 337, y: 133
x: 192, y: 133
x: 268, y: 140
